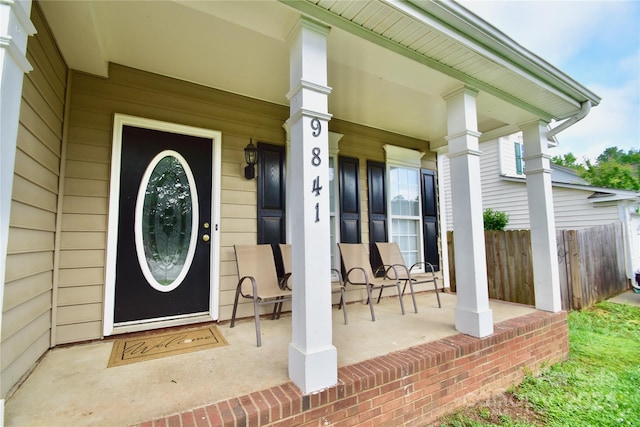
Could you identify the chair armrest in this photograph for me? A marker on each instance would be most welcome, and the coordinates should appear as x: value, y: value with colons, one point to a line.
x: 254, y: 287
x: 364, y: 272
x: 283, y: 282
x: 338, y: 275
x: 394, y: 268
x: 426, y: 265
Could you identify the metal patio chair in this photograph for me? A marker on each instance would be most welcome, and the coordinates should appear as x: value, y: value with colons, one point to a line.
x: 355, y: 260
x: 258, y: 281
x: 391, y: 256
x: 337, y: 286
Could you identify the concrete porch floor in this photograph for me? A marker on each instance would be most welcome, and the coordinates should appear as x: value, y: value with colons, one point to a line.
x: 73, y: 386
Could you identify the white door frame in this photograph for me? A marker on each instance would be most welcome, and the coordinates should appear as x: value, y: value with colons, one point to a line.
x: 121, y: 120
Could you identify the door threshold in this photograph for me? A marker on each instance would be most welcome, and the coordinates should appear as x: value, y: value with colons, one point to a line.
x: 145, y: 325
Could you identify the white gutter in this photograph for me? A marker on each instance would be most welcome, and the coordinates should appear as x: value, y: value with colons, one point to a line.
x: 585, y: 107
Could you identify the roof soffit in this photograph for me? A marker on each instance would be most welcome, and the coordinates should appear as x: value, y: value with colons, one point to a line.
x: 420, y: 33
x: 82, y: 44
x: 241, y: 47
x: 484, y: 36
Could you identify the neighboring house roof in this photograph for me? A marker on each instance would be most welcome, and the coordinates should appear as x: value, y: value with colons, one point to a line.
x: 562, y: 176
x: 613, y: 195
x: 565, y: 175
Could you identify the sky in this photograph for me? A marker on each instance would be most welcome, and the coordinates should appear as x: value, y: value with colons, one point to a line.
x: 595, y: 42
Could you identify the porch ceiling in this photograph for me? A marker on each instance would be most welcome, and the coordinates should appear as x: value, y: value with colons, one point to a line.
x: 389, y: 62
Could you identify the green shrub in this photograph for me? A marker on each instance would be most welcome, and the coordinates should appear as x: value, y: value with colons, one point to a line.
x: 495, y: 220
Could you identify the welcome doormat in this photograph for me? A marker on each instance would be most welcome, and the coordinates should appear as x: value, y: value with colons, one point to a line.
x: 155, y: 346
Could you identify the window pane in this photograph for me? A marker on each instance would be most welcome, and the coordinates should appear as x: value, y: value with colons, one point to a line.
x: 404, y: 194
x: 404, y: 191
x: 405, y: 234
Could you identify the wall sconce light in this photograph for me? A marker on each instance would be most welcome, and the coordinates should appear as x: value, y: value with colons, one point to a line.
x: 251, y: 157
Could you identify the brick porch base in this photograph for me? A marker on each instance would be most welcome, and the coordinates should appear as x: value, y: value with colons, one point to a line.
x: 411, y: 387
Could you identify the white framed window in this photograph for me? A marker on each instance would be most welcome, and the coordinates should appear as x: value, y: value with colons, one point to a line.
x: 404, y: 200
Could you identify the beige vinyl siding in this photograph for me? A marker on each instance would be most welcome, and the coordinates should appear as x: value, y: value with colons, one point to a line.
x: 85, y: 208
x: 26, y: 326
x: 138, y: 93
x: 94, y: 101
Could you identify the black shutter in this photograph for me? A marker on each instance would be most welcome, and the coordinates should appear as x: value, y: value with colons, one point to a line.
x: 271, y: 195
x: 376, y: 179
x: 430, y: 218
x: 349, y: 169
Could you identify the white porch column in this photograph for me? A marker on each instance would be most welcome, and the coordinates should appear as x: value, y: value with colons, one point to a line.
x: 313, y: 360
x: 15, y: 27
x: 473, y: 315
x: 544, y: 248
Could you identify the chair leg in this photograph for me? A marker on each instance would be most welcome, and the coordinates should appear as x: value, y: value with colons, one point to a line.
x: 235, y: 307
x: 343, y: 305
x: 413, y: 296
x: 400, y: 298
x: 279, y: 305
x: 380, y: 294
x: 435, y: 285
x: 256, y: 311
x: 370, y: 301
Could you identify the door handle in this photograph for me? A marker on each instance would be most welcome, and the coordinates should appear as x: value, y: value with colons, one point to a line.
x: 205, y: 238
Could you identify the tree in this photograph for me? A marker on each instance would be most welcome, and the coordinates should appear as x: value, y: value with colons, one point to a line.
x: 614, y: 168
x: 568, y: 160
x: 611, y: 174
x: 632, y: 157
x: 611, y: 153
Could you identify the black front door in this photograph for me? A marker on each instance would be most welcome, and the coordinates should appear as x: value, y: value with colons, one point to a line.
x: 163, y: 265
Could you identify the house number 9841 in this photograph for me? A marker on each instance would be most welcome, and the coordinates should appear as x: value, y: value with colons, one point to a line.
x: 316, y: 127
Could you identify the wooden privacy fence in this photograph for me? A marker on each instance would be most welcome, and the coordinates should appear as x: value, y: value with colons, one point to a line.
x: 591, y: 264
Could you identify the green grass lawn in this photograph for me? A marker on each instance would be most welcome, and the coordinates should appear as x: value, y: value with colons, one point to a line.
x: 598, y: 386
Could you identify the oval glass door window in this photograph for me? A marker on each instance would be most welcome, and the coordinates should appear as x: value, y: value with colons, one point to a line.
x: 166, y: 221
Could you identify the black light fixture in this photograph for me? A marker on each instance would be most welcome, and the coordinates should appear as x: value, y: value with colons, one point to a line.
x: 251, y: 157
